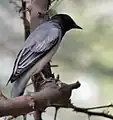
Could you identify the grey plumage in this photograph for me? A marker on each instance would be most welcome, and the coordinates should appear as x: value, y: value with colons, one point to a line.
x: 38, y: 49
x: 36, y: 46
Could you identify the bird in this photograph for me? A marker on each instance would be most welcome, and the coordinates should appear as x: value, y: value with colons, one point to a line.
x: 38, y: 50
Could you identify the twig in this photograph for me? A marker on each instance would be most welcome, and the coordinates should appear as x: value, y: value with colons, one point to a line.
x: 56, y: 112
x: 86, y: 111
x: 89, y: 117
x: 54, y: 65
x: 91, y: 113
x: 99, y: 107
x: 58, y: 77
x: 75, y: 85
x: 25, y: 21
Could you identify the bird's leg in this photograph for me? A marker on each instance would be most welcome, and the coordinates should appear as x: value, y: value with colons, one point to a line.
x: 43, y: 76
x: 45, y: 80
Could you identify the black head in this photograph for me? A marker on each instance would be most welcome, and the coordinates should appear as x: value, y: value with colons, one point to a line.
x: 66, y: 21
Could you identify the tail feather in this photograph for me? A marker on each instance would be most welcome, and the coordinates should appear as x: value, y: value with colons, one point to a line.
x: 7, y: 82
x: 16, y: 89
x: 11, y: 79
x: 19, y: 86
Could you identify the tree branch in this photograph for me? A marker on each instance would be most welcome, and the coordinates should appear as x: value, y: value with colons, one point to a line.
x: 38, y: 6
x: 87, y: 111
x: 91, y: 113
x: 25, y: 20
x: 50, y: 94
x: 99, y: 107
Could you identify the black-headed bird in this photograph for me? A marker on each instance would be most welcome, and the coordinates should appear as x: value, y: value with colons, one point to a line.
x: 38, y: 50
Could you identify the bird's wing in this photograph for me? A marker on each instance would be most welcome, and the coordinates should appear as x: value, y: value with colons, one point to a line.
x: 34, y: 51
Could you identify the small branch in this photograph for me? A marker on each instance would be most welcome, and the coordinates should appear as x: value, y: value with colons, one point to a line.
x: 86, y: 111
x: 54, y: 65
x: 99, y: 107
x: 25, y: 20
x: 91, y: 113
x: 56, y: 111
x: 75, y: 85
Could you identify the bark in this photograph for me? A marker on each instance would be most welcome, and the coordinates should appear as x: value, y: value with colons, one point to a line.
x: 25, y: 20
x: 50, y: 94
x: 37, y: 17
x: 38, y: 7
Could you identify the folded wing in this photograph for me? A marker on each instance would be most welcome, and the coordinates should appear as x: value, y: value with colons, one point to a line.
x: 34, y: 49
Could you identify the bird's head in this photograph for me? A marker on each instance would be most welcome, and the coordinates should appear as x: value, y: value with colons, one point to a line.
x: 66, y: 21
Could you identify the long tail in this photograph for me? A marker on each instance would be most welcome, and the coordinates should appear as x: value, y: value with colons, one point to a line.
x: 11, y: 79
x: 19, y: 86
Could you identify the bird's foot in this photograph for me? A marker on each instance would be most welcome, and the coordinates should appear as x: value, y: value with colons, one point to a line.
x: 43, y: 76
x: 46, y: 81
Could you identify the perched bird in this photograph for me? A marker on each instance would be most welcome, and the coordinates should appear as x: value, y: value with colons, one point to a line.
x: 38, y: 50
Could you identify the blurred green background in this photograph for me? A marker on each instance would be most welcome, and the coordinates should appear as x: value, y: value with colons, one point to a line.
x: 85, y: 55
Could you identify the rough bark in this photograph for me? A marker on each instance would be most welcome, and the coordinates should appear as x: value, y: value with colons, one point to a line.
x: 49, y: 95
x: 38, y: 7
x: 25, y: 20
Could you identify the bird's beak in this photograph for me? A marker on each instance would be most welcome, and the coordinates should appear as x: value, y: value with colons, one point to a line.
x: 78, y: 27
